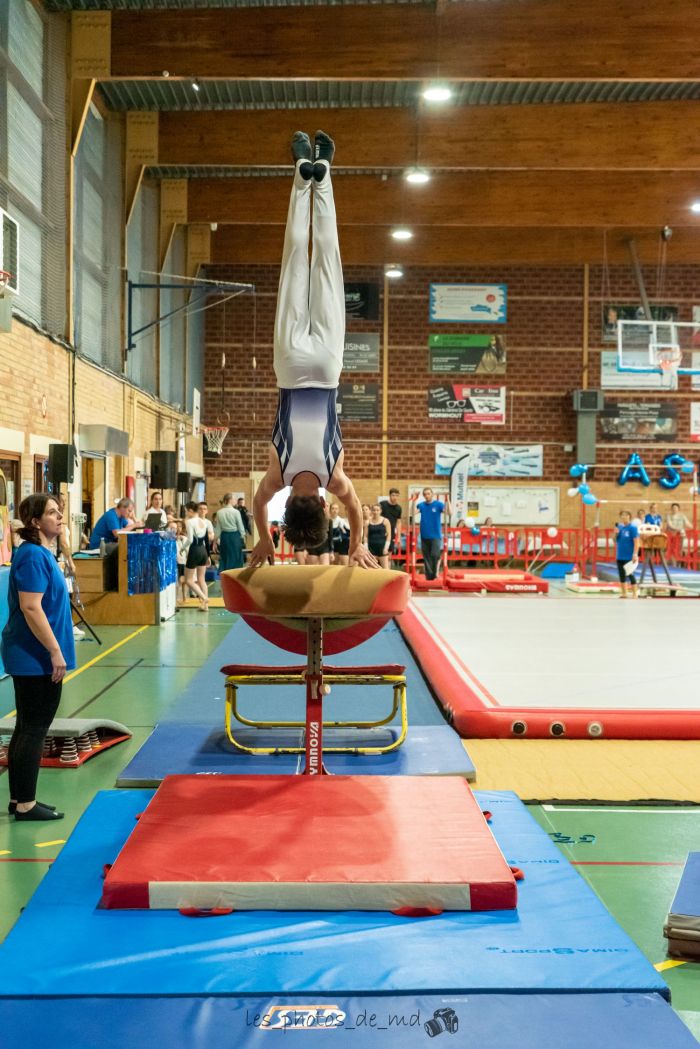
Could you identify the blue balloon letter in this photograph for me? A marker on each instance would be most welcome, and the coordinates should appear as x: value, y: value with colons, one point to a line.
x: 634, y: 471
x: 672, y: 478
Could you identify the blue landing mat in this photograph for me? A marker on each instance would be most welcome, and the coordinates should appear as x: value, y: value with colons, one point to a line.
x: 428, y: 750
x: 484, y: 1021
x: 560, y: 939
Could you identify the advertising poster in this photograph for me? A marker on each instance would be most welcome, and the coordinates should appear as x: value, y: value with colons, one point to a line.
x: 491, y: 460
x: 631, y: 421
x: 467, y: 354
x: 614, y: 313
x: 361, y: 352
x: 468, y: 404
x: 358, y: 402
x: 362, y: 300
x: 480, y: 303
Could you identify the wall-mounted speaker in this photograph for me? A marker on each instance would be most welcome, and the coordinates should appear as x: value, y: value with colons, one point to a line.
x: 61, y: 464
x: 184, y: 483
x: 163, y: 470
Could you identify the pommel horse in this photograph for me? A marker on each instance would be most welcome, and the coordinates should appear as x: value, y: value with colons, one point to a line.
x: 315, y: 610
x: 414, y: 845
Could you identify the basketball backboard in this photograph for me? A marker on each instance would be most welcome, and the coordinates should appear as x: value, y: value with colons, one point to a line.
x: 654, y: 346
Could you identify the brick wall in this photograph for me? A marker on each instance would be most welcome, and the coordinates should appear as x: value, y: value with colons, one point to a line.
x: 33, y: 368
x: 544, y: 338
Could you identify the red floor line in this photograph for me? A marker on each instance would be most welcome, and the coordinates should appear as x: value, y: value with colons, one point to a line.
x: 27, y: 859
x: 625, y: 863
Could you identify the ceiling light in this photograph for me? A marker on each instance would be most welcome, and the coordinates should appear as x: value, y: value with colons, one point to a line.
x: 417, y: 176
x: 402, y: 233
x: 437, y: 93
x: 695, y: 206
x: 195, y: 85
x: 393, y: 270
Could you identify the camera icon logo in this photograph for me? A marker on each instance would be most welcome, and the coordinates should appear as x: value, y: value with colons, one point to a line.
x: 443, y: 1020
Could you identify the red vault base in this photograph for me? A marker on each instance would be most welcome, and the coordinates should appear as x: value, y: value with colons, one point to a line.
x: 375, y: 843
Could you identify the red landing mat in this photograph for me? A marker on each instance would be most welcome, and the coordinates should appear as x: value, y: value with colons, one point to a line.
x: 371, y: 843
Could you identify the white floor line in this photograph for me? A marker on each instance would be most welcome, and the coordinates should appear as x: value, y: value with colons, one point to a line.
x: 644, y: 808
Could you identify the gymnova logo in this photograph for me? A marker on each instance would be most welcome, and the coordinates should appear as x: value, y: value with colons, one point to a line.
x: 297, y: 1018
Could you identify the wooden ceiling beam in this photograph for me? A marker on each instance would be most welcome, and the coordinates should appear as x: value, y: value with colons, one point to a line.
x: 586, y: 136
x: 448, y: 246
x: 569, y: 40
x: 519, y: 198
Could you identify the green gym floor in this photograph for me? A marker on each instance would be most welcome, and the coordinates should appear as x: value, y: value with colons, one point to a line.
x: 632, y: 856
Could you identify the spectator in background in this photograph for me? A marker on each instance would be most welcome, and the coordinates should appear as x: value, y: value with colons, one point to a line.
x: 638, y: 519
x: 340, y: 532
x: 156, y: 507
x: 431, y: 511
x: 366, y: 514
x: 391, y: 509
x: 379, y: 535
x: 627, y: 553
x: 245, y: 514
x: 37, y: 649
x: 230, y: 534
x: 676, y: 524
x: 653, y: 517
x: 108, y: 527
x: 182, y: 546
x: 199, y: 533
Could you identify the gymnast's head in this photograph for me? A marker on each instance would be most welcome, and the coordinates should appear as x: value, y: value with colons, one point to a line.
x: 305, y: 521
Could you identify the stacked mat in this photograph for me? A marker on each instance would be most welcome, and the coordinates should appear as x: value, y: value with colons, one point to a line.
x: 682, y: 928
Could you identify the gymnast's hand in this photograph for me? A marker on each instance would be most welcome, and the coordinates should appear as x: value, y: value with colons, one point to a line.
x: 262, y: 550
x: 360, y: 557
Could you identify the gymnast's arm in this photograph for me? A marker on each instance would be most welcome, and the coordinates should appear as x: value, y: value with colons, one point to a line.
x: 342, y: 488
x: 269, y: 486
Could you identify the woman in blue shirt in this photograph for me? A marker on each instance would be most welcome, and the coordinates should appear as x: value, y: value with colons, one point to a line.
x: 37, y: 649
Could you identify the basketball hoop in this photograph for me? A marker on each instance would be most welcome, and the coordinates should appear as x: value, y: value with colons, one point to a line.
x: 5, y: 282
x: 669, y: 361
x: 214, y: 437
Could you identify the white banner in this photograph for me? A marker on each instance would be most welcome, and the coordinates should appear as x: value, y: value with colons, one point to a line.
x: 613, y: 379
x: 492, y: 460
x: 459, y: 480
x: 695, y: 419
x: 479, y: 303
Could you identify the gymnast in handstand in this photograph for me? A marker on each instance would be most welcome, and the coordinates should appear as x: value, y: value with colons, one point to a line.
x: 306, y: 452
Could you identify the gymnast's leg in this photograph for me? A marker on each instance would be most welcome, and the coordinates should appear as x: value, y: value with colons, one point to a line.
x: 291, y: 334
x: 326, y: 292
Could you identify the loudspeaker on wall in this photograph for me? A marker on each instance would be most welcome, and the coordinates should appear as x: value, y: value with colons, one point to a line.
x: 163, y: 469
x: 61, y: 463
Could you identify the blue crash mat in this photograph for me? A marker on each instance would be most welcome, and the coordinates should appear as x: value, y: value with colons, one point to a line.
x: 173, y: 747
x: 561, y: 938
x: 483, y: 1021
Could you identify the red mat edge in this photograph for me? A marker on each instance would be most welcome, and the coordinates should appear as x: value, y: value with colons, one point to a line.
x: 472, y: 718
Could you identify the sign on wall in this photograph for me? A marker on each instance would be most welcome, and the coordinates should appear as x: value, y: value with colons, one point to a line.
x: 633, y: 421
x: 468, y: 404
x: 361, y: 352
x: 358, y: 402
x: 695, y: 420
x: 466, y: 353
x: 362, y: 300
x: 480, y: 303
x: 491, y: 460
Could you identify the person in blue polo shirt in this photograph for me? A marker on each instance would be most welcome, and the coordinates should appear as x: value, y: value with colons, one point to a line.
x: 627, y: 550
x: 431, y: 511
x: 37, y: 649
x: 121, y: 518
x: 652, y: 516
